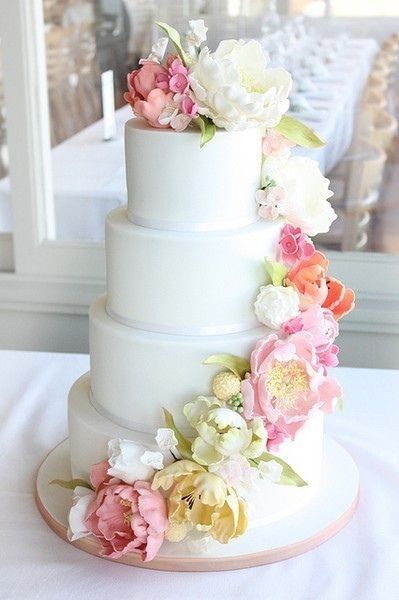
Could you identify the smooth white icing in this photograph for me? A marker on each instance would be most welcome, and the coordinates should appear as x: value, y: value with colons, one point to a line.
x: 89, y: 433
x: 174, y: 184
x: 135, y: 373
x: 179, y: 282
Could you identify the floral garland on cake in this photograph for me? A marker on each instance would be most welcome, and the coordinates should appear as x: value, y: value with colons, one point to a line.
x: 196, y: 486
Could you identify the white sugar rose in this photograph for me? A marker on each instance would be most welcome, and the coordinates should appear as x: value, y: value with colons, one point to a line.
x: 276, y: 304
x: 125, y: 461
x: 305, y: 193
x: 234, y: 87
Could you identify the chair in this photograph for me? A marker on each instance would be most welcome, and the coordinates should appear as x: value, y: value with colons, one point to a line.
x: 62, y: 80
x: 356, y: 183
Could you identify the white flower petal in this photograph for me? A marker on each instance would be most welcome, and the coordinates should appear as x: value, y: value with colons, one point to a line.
x: 125, y: 461
x: 82, y: 497
x: 276, y: 304
x: 152, y: 459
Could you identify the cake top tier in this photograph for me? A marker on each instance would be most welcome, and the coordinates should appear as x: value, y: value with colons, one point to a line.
x: 174, y: 184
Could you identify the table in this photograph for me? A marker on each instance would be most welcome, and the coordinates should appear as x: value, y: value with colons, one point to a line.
x: 361, y: 562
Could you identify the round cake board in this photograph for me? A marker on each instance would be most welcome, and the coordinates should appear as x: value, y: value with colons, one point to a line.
x: 329, y: 510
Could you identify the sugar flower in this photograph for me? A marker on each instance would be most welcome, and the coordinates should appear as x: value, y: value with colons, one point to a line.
x: 82, y: 498
x: 270, y: 470
x: 128, y: 518
x: 272, y: 202
x: 306, y: 193
x: 196, y: 34
x: 200, y: 500
x: 166, y: 439
x: 317, y: 321
x: 276, y: 145
x: 276, y: 304
x: 125, y: 461
x: 158, y: 50
x: 287, y: 383
x: 294, y: 245
x: 308, y: 277
x: 340, y: 300
x: 222, y: 432
x: 234, y: 87
x: 236, y: 472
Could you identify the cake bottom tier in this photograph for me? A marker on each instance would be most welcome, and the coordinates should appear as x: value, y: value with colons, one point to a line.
x: 89, y: 433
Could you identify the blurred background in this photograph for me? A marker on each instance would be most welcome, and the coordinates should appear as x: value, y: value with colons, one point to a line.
x: 343, y: 56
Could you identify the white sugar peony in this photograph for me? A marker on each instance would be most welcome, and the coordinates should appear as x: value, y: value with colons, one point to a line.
x: 276, y: 304
x: 125, y: 460
x: 305, y: 193
x: 234, y: 87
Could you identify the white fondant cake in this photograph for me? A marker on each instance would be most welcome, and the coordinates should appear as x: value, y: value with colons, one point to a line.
x: 174, y: 298
x: 202, y: 413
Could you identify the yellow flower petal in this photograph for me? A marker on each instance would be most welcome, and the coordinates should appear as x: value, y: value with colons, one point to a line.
x: 205, y: 453
x: 169, y: 475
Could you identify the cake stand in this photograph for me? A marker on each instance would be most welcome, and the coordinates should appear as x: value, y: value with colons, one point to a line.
x: 329, y: 510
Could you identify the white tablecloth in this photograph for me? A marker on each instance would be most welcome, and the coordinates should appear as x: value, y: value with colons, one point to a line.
x: 360, y: 563
x: 89, y: 173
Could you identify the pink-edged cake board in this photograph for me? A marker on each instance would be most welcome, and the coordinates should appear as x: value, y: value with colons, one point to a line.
x: 329, y: 510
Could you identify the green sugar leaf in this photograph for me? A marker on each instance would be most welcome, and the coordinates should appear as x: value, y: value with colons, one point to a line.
x: 298, y: 132
x: 207, y: 128
x: 237, y: 365
x: 71, y: 484
x: 174, y: 37
x: 276, y: 271
x: 183, y: 444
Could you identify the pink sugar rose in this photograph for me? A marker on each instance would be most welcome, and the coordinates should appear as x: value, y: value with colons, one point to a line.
x: 317, y: 321
x: 286, y: 383
x: 126, y: 518
x: 189, y: 107
x: 294, y: 245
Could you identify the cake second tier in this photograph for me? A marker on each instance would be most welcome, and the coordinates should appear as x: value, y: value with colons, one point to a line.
x: 186, y: 283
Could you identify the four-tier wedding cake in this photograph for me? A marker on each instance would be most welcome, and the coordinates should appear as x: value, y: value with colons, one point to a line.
x: 202, y: 414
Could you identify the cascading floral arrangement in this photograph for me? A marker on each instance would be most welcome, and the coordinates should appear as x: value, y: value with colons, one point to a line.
x: 197, y: 485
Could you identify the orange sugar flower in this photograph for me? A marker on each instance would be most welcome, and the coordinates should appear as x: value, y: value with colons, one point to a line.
x: 340, y: 300
x: 308, y: 277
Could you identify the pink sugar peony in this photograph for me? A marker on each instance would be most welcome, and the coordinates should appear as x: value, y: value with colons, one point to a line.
x: 286, y: 383
x: 317, y: 321
x: 294, y: 245
x: 275, y: 437
x: 127, y: 518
